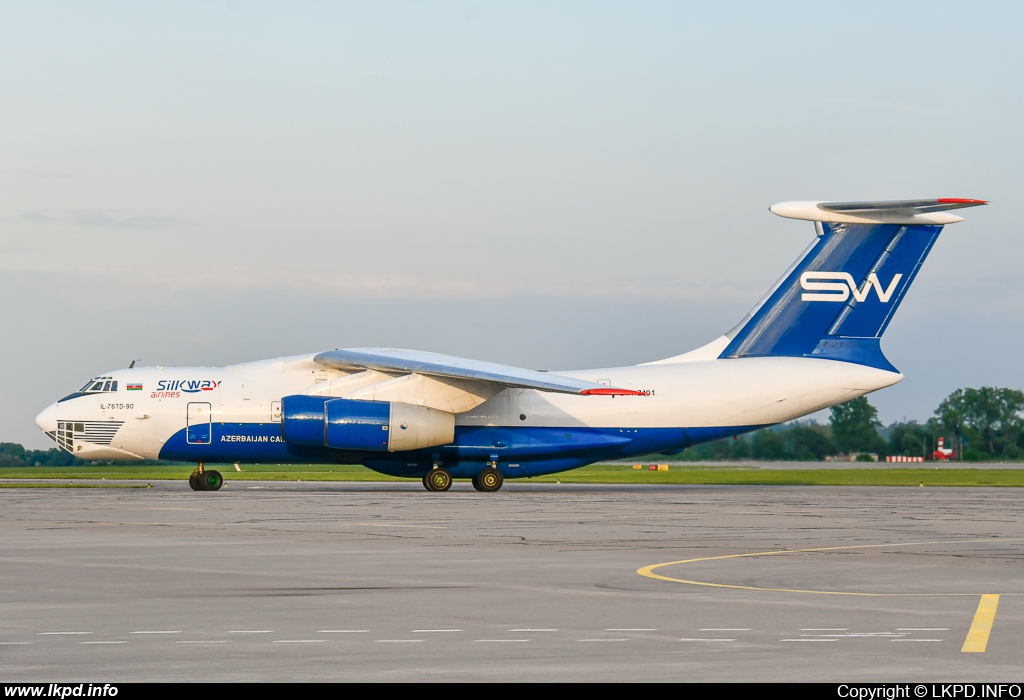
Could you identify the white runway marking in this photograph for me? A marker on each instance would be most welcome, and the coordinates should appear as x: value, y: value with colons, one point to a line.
x: 831, y: 639
x: 824, y: 629
x: 917, y: 640
x: 65, y: 633
x: 724, y: 629
x: 534, y: 629
x: 13, y: 644
x: 203, y: 641
x: 250, y: 631
x: 605, y: 639
x: 341, y: 631
x: 501, y: 640
x: 922, y: 629
x: 109, y: 642
x: 851, y: 635
x: 423, y: 631
x: 631, y: 629
x: 398, y: 641
x: 157, y: 632
x: 873, y: 634
x: 298, y: 641
x: 705, y: 639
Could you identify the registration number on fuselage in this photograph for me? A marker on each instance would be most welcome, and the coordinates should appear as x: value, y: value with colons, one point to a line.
x: 116, y: 406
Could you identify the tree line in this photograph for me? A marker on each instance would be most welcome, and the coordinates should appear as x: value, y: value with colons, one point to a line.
x: 985, y: 424
x: 14, y: 455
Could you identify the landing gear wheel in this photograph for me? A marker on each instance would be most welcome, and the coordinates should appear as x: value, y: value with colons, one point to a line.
x: 211, y: 480
x: 193, y: 482
x: 438, y: 480
x: 426, y: 482
x: 489, y: 480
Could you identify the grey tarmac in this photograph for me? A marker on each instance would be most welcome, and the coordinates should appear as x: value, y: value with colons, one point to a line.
x: 314, y: 581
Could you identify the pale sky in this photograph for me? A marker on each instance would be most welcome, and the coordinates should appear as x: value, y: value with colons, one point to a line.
x: 550, y: 184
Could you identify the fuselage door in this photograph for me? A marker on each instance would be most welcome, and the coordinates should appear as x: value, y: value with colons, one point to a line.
x: 197, y: 430
x: 275, y: 411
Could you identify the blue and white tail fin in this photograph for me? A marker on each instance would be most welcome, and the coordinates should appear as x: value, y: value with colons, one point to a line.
x: 839, y: 297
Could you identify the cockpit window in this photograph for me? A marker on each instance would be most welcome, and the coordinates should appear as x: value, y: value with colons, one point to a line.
x: 99, y: 384
x: 96, y: 385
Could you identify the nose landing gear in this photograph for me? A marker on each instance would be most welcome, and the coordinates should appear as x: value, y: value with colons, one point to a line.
x: 205, y: 479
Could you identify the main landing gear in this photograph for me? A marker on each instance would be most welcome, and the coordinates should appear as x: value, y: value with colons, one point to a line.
x: 437, y: 479
x: 205, y: 479
x: 489, y: 480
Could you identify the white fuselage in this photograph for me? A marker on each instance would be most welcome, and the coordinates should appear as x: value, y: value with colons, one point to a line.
x: 689, y: 391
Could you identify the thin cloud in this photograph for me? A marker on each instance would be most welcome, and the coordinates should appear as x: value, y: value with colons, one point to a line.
x: 397, y: 285
x: 91, y: 218
x: 49, y: 174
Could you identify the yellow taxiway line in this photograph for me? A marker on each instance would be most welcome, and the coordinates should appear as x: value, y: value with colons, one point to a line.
x: 981, y: 627
x: 977, y: 637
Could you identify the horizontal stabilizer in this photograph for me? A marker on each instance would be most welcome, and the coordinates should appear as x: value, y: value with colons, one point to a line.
x: 437, y: 365
x: 907, y: 212
x: 836, y: 301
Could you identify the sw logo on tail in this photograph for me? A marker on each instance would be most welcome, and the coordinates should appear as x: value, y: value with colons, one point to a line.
x: 836, y: 291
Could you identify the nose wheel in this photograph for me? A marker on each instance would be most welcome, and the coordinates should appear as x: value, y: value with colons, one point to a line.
x: 205, y: 479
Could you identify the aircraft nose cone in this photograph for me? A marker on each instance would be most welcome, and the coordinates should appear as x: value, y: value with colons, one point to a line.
x: 47, y: 419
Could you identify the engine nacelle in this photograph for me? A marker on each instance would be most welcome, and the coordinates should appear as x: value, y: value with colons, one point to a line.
x: 347, y: 424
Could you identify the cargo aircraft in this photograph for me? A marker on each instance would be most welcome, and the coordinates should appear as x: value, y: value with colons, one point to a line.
x: 811, y: 342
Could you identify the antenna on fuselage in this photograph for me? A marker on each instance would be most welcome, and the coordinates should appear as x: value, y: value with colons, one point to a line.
x: 131, y: 365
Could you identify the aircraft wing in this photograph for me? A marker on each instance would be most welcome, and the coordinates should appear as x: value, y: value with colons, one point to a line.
x: 436, y: 365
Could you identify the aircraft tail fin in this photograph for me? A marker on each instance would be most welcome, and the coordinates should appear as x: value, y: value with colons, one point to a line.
x: 838, y: 298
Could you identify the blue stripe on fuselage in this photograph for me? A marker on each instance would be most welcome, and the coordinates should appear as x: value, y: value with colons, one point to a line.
x: 533, y: 451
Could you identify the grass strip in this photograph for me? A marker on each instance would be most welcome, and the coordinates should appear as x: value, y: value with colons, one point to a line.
x: 250, y: 472
x: 52, y: 485
x: 593, y: 474
x: 602, y: 474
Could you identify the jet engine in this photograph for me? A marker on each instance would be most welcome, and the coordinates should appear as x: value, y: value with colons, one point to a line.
x: 347, y: 424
